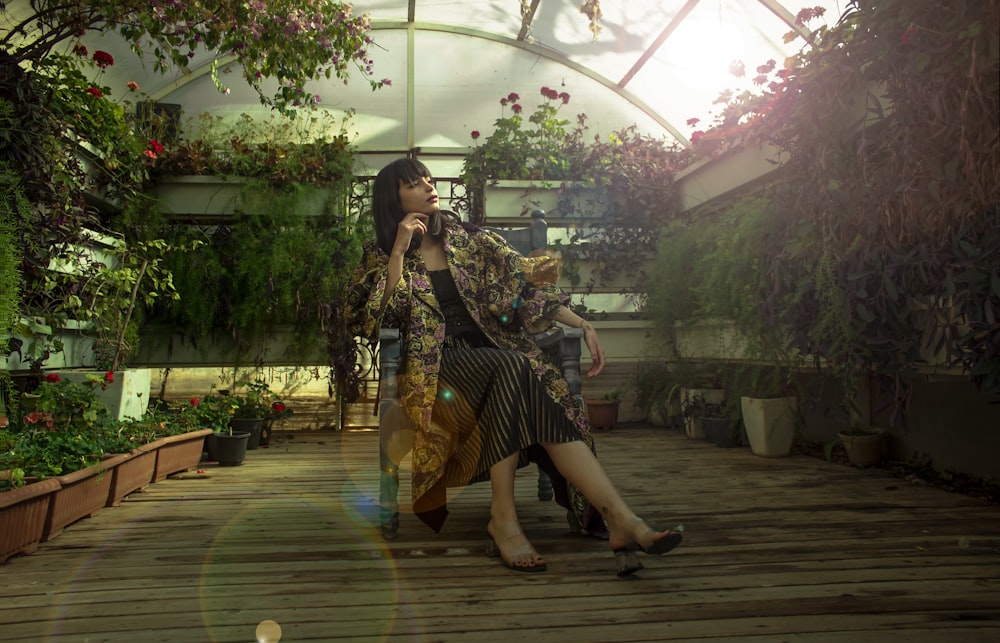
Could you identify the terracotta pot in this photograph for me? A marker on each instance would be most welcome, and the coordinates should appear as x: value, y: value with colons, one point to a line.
x: 864, y: 449
x: 133, y: 474
x: 178, y: 453
x: 603, y: 413
x: 22, y: 517
x: 81, y: 494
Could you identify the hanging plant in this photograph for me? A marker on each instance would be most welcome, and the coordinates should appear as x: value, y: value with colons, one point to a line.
x: 294, y: 41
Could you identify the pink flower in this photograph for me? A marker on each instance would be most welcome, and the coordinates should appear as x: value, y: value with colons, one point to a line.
x: 513, y: 98
x: 564, y: 97
x: 150, y: 154
x: 79, y: 50
x: 692, y: 121
x: 134, y: 86
x: 93, y: 91
x: 697, y: 136
x: 516, y: 108
x: 52, y: 377
x: 475, y: 134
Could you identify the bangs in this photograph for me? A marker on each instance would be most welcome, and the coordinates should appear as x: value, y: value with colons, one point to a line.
x: 410, y: 170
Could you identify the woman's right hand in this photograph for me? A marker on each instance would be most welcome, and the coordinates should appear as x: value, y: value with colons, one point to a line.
x: 413, y: 225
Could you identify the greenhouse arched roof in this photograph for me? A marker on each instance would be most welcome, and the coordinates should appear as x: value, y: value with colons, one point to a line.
x: 659, y: 65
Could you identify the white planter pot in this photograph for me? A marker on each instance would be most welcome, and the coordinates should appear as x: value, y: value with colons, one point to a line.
x: 127, y: 397
x: 200, y: 196
x: 770, y: 424
x: 512, y: 201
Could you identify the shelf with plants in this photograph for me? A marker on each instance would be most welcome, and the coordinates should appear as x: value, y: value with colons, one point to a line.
x: 609, y: 196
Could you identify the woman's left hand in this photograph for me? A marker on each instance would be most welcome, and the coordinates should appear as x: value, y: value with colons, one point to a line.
x: 594, y: 346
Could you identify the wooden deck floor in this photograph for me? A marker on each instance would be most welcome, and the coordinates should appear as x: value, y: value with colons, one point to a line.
x: 792, y: 549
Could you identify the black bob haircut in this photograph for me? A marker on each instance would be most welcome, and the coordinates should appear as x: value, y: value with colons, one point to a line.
x: 386, y: 208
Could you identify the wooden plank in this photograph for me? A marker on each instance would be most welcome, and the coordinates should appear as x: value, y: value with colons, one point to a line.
x: 793, y: 549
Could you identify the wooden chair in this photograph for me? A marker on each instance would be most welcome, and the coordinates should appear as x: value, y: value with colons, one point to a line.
x: 395, y: 431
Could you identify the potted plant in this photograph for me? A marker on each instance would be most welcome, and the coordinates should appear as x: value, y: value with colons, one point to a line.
x: 63, y: 431
x: 657, y: 390
x: 603, y: 411
x: 864, y: 445
x: 252, y: 403
x: 613, y: 194
x: 215, y: 411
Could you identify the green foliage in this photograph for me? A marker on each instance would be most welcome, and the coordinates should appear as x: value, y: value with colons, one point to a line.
x: 876, y: 243
x: 60, y: 427
x: 327, y: 38
x: 11, y: 198
x: 263, y: 273
x: 278, y: 149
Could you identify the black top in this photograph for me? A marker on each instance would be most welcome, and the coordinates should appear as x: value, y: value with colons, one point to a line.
x: 457, y: 319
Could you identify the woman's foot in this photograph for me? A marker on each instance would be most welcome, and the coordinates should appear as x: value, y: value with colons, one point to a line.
x: 634, y: 533
x: 510, y: 544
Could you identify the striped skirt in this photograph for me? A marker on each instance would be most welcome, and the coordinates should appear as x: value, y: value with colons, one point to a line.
x: 494, y: 406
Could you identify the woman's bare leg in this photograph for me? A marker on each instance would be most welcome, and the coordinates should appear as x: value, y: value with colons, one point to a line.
x: 504, y: 526
x: 578, y: 464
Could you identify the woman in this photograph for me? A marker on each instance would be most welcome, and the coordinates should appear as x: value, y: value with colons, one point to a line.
x: 478, y: 390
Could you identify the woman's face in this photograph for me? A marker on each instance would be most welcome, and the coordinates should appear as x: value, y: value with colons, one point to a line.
x: 418, y: 196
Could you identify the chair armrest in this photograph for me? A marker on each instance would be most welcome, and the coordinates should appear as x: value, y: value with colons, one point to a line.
x: 563, y: 344
x: 389, y: 347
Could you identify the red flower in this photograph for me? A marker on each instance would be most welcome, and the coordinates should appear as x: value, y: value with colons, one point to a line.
x: 564, y: 97
x: 513, y: 98
x: 134, y: 86
x: 155, y: 146
x: 697, y: 136
x: 278, y: 407
x: 516, y: 108
x: 909, y: 35
x: 80, y: 50
x: 150, y: 154
x: 109, y: 377
x: 103, y: 59
x: 195, y: 401
x: 475, y: 134
x: 93, y: 91
x: 52, y: 377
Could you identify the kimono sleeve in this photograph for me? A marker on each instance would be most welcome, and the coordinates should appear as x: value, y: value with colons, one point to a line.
x: 363, y: 304
x: 530, y: 280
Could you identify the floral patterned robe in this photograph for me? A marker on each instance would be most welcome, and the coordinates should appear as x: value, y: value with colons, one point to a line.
x: 508, y: 295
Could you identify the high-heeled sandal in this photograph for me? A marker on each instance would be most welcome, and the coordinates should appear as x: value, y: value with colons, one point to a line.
x: 627, y: 558
x: 493, y: 551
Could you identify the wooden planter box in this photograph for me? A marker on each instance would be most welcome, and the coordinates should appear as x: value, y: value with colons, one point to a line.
x: 178, y: 453
x: 132, y: 474
x: 22, y: 517
x: 81, y: 494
